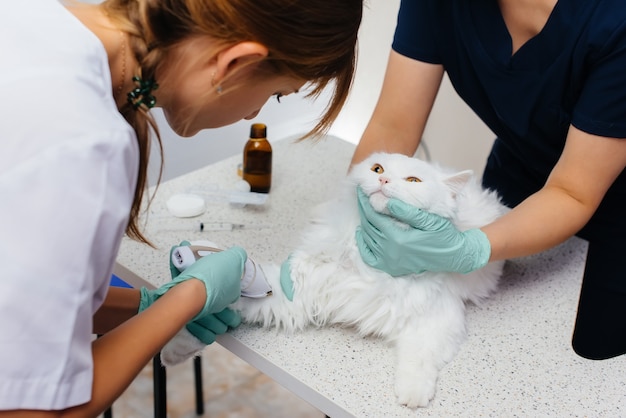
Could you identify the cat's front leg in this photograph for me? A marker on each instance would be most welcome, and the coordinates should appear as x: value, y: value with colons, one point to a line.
x: 416, y: 373
x: 423, y: 348
x: 275, y: 310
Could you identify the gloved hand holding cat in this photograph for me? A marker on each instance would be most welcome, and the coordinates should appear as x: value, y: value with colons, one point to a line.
x: 431, y: 243
x: 221, y: 273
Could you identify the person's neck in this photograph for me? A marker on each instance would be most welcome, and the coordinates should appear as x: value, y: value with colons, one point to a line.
x: 525, y: 18
x: 122, y: 63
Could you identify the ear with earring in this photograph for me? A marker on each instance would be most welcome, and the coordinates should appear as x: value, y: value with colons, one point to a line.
x: 218, y: 88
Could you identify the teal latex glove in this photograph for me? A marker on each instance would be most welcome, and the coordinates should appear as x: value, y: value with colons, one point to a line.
x: 207, y: 328
x: 286, y: 284
x: 431, y: 243
x: 148, y: 297
x: 221, y: 274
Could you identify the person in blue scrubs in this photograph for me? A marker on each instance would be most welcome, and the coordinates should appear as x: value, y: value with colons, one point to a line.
x: 548, y: 78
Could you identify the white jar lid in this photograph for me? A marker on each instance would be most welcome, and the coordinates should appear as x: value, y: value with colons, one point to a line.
x: 186, y: 205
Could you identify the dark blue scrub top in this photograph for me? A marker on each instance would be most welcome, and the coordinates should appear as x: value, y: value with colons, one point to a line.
x: 572, y: 72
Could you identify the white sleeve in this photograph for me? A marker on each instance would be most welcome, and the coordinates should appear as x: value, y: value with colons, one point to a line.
x: 68, y: 169
x: 62, y: 216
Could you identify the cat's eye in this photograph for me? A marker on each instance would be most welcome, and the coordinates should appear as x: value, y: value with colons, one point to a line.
x: 377, y: 168
x: 413, y: 179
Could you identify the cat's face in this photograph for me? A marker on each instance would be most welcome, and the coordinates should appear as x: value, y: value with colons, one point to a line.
x: 416, y: 182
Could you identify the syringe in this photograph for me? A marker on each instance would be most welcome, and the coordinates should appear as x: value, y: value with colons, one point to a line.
x: 210, y: 226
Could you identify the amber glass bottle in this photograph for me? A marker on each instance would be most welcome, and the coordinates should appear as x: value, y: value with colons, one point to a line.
x: 257, y: 160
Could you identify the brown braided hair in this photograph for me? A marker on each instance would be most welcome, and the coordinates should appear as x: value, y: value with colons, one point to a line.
x: 312, y: 40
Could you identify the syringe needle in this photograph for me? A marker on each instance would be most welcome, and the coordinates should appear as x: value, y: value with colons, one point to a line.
x: 219, y: 226
x: 210, y: 226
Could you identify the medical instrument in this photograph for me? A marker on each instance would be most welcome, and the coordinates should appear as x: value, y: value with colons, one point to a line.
x: 208, y: 226
x: 221, y: 275
x: 253, y: 282
x: 211, y: 227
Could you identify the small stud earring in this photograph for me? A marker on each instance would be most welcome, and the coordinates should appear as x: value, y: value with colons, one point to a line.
x: 218, y: 89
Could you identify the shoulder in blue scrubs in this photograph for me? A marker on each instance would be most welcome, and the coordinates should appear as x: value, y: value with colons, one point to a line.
x: 572, y: 73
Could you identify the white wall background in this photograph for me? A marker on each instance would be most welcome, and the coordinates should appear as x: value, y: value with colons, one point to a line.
x: 454, y: 135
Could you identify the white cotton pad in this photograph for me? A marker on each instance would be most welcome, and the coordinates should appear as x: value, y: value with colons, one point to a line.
x: 186, y: 205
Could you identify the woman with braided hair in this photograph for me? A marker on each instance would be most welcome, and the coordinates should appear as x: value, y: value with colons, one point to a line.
x: 77, y: 83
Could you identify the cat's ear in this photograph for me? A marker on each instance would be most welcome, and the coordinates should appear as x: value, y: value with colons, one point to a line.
x: 457, y: 181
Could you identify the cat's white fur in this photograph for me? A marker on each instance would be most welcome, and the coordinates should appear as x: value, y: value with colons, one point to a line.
x: 422, y: 315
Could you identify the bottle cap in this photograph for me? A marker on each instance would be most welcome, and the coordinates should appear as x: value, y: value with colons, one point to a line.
x: 258, y: 130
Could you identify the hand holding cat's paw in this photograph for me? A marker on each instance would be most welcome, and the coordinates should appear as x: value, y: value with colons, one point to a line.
x: 221, y: 275
x: 207, y: 328
x: 149, y: 296
x: 286, y: 283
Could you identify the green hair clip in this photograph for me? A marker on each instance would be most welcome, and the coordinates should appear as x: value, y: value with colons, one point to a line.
x: 142, y: 94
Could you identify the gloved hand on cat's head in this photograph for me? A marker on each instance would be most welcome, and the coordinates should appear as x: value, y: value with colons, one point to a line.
x: 432, y: 243
x: 221, y: 274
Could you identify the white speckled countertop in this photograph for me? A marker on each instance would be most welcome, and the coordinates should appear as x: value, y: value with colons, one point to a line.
x: 517, y: 360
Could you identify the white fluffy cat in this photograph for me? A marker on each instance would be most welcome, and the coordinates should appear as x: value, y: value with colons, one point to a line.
x: 422, y: 315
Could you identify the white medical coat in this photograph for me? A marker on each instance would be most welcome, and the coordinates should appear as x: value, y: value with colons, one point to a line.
x: 68, y: 169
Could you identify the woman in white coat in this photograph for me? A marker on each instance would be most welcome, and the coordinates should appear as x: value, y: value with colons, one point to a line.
x: 77, y: 83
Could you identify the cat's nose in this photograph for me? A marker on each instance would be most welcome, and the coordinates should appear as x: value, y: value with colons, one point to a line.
x: 383, y: 180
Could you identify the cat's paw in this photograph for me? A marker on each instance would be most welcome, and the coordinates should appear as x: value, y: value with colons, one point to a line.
x: 416, y: 392
x: 183, y: 346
